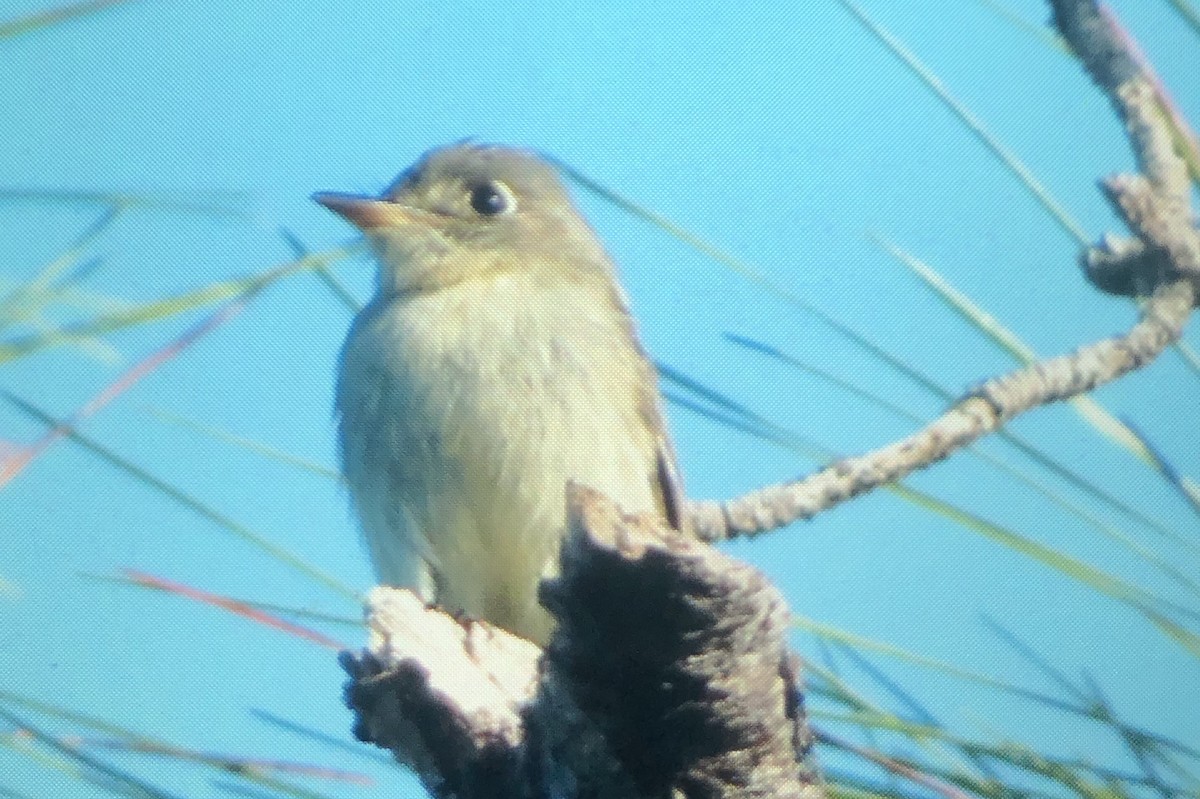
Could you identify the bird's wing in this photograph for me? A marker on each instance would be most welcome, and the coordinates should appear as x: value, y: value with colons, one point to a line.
x: 670, y: 484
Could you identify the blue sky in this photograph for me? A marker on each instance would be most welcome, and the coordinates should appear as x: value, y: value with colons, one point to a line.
x: 784, y: 136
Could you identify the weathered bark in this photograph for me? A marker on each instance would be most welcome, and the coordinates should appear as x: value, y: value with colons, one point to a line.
x: 668, y: 675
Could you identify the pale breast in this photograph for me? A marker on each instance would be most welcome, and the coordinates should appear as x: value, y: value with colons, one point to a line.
x: 463, y: 414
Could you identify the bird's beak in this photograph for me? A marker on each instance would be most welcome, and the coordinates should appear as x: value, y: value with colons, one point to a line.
x: 368, y: 213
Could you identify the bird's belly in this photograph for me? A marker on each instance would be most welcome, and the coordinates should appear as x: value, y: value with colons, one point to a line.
x: 471, y: 441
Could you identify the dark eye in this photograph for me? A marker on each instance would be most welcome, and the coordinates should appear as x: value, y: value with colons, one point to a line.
x: 492, y: 199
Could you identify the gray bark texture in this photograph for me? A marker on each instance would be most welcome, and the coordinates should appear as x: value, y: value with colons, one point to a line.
x: 668, y: 676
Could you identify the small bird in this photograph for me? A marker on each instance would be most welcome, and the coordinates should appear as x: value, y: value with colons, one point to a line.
x: 496, y: 361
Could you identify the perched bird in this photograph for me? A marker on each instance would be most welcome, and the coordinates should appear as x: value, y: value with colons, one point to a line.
x: 496, y: 361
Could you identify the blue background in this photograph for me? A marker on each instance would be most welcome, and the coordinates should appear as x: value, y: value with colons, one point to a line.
x: 780, y: 134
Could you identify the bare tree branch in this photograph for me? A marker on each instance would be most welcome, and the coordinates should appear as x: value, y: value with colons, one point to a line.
x: 1163, y: 264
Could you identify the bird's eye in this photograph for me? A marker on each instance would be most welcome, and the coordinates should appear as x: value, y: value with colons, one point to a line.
x: 492, y: 199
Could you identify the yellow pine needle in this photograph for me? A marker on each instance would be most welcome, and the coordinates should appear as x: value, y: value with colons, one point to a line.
x: 54, y: 16
x: 1090, y: 410
x: 973, y: 123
